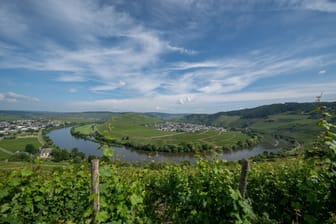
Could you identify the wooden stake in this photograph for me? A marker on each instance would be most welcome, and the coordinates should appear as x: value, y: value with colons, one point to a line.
x: 243, y: 177
x: 95, y: 188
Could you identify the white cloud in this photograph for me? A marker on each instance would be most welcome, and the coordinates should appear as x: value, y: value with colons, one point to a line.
x: 172, y: 103
x: 320, y: 5
x: 322, y: 72
x: 256, y: 5
x: 135, y: 61
x: 182, y: 50
x: 194, y: 65
x: 185, y: 100
x: 230, y: 75
x: 12, y: 25
x: 108, y: 87
x: 12, y: 97
x: 84, y: 24
x: 71, y: 78
x: 73, y: 90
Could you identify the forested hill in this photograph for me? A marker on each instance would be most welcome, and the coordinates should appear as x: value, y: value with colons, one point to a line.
x: 210, y: 119
x: 267, y: 110
x: 90, y: 115
x: 164, y: 116
x: 93, y: 115
x: 258, y: 112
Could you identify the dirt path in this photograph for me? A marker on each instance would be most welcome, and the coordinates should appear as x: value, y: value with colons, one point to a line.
x: 6, y: 151
x: 26, y: 136
x: 162, y: 136
x: 219, y: 133
x: 40, y: 138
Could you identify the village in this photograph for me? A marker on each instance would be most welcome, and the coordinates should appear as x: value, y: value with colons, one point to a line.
x: 185, y: 127
x: 19, y: 126
x: 24, y: 133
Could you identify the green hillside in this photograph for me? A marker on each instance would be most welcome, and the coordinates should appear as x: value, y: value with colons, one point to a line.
x: 262, y: 112
x: 137, y: 130
x: 71, y: 116
x: 296, y: 189
x: 292, y: 122
x: 289, y: 121
x: 12, y: 145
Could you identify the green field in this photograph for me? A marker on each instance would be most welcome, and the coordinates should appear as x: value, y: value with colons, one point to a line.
x: 300, y: 127
x: 45, y: 165
x: 85, y: 129
x: 288, y: 125
x: 226, y: 121
x: 4, y: 155
x: 17, y: 144
x: 139, y: 131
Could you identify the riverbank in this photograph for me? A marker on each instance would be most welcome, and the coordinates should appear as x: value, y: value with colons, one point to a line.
x: 141, y: 136
x: 63, y: 139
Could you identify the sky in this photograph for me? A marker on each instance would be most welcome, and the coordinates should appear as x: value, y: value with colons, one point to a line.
x: 174, y: 56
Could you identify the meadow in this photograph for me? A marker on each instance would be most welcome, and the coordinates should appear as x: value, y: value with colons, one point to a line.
x: 137, y: 129
x: 298, y: 126
x: 85, y: 129
x: 16, y: 144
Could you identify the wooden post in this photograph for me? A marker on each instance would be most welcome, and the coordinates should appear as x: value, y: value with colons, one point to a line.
x: 95, y: 188
x: 243, y: 177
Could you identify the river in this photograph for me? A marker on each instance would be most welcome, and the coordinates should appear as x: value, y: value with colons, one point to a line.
x: 63, y: 139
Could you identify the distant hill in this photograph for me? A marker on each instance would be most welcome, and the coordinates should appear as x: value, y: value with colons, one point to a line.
x: 267, y: 110
x: 13, y: 115
x: 98, y: 115
x: 283, y: 121
x: 288, y: 120
x: 229, y: 118
x: 255, y: 113
x: 165, y: 116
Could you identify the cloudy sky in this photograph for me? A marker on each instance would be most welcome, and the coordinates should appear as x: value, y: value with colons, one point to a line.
x: 176, y: 56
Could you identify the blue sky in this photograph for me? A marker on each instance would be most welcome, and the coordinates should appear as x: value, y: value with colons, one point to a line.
x: 176, y: 56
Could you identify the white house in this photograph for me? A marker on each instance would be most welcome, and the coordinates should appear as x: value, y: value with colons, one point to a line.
x: 45, y: 152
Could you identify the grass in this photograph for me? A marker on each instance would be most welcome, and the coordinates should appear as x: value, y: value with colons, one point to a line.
x: 18, y: 144
x: 47, y: 165
x: 226, y: 121
x: 300, y: 127
x: 3, y: 155
x: 85, y: 129
x: 139, y: 131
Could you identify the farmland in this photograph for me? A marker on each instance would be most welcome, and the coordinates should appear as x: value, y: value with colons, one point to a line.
x: 16, y: 144
x: 137, y: 129
x: 85, y: 129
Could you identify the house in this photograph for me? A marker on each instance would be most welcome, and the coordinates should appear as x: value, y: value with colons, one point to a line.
x: 45, y: 152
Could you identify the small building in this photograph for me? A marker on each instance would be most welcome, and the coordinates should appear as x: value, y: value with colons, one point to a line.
x: 45, y: 153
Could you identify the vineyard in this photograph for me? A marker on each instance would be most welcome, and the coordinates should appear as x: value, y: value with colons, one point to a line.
x: 299, y: 189
x: 279, y: 192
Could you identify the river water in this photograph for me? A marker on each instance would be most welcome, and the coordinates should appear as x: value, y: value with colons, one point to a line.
x: 63, y: 139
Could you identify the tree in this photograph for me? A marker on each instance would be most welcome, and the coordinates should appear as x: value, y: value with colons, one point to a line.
x: 60, y: 155
x: 20, y: 156
x: 76, y: 155
x: 30, y: 148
